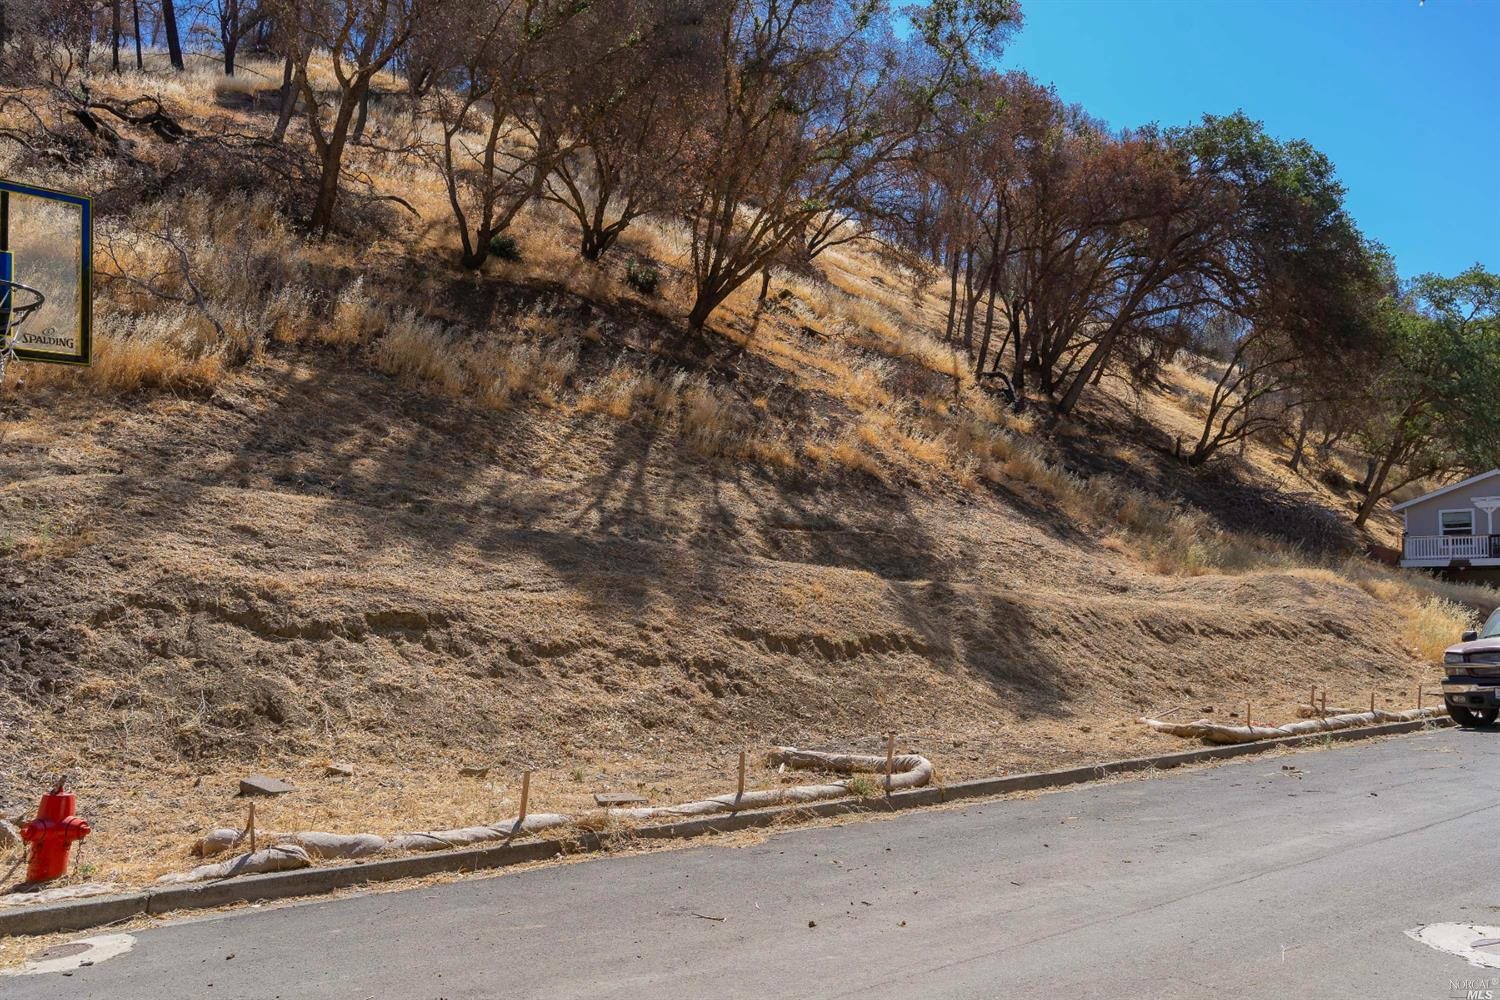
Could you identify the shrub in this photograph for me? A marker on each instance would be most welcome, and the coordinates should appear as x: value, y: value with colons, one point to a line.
x: 523, y: 370
x: 504, y: 247
x: 356, y: 317
x: 420, y: 350
x: 1430, y: 626
x: 612, y: 393
x: 708, y: 422
x: 642, y: 275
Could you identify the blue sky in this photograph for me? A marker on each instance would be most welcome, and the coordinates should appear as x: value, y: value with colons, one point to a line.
x: 1405, y: 98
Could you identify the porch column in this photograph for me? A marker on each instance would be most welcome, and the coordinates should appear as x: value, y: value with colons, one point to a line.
x: 1488, y: 505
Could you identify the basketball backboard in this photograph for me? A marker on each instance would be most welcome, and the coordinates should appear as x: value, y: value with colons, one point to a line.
x: 46, y: 252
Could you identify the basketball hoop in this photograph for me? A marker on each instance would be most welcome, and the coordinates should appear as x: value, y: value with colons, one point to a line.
x: 46, y: 275
x: 18, y: 303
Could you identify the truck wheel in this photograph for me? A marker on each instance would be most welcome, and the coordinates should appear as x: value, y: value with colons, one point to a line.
x: 1464, y: 717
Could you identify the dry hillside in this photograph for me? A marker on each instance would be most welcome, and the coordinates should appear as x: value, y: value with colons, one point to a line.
x: 371, y: 508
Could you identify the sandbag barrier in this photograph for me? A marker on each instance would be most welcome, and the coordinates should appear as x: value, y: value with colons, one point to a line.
x: 287, y: 851
x: 1216, y: 732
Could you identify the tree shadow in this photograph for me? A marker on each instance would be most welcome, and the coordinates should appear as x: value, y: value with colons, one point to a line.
x: 1224, y: 489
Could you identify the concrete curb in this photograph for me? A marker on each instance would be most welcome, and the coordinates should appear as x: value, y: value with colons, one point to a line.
x: 69, y: 915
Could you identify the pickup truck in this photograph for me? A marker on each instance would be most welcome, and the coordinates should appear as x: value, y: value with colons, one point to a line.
x: 1471, y: 691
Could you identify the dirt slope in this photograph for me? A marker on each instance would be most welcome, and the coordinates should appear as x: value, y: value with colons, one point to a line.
x: 319, y: 563
x: 386, y: 511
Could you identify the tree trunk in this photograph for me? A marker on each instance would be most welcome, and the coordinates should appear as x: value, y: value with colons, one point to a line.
x: 596, y: 241
x: 169, y: 25
x: 1018, y: 371
x: 546, y: 147
x: 952, y: 296
x: 288, y: 102
x: 971, y: 300
x: 364, y: 116
x: 1377, y: 483
x: 1100, y: 354
x: 229, y: 34
x: 588, y: 246
x: 114, y: 34
x: 135, y: 17
x: 333, y: 161
x: 1301, y: 440
x: 704, y: 304
x: 765, y: 286
x: 989, y: 327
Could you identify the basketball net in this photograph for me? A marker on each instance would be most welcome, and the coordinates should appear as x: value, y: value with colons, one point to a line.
x: 12, y: 315
x: 7, y: 331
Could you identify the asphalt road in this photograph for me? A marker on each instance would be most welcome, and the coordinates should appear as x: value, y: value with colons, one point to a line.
x: 1246, y: 880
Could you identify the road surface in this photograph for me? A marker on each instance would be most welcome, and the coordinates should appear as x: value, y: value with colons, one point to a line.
x: 1245, y: 880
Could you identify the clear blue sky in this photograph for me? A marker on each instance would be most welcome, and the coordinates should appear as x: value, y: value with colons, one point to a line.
x: 1404, y: 98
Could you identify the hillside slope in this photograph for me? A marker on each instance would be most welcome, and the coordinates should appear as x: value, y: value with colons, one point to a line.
x: 317, y: 563
x: 520, y: 518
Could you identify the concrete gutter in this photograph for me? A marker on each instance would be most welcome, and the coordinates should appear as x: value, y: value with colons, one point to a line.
x: 77, y: 914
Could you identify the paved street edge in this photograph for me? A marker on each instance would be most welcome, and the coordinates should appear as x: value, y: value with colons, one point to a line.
x: 72, y: 915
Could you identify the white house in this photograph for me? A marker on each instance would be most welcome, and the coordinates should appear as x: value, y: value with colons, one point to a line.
x: 1455, y: 526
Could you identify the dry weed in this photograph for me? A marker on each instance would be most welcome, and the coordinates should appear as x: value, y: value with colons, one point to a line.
x: 419, y: 349
x: 356, y: 318
x: 525, y: 371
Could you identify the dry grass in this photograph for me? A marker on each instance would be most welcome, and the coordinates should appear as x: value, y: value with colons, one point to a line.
x: 615, y: 393
x: 131, y: 358
x: 419, y: 349
x: 986, y: 443
x: 255, y: 276
x: 846, y: 381
x: 1433, y: 612
x: 709, y: 421
x: 165, y: 324
x: 526, y: 371
x: 1434, y: 624
x: 356, y: 318
x: 850, y: 451
x: 173, y: 351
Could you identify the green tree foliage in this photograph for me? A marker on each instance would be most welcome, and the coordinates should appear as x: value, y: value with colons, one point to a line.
x: 1304, y: 280
x: 1432, y: 406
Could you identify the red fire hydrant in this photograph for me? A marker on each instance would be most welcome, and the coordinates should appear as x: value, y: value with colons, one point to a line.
x: 51, y: 835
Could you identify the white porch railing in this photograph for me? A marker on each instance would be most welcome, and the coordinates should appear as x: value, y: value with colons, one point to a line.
x: 1450, y: 547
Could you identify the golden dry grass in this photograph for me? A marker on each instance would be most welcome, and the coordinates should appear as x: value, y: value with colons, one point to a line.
x: 255, y: 275
x: 900, y: 521
x: 420, y: 350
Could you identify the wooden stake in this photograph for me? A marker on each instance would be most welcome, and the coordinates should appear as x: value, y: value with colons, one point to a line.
x: 741, y: 792
x: 1324, y: 709
x: 1247, y: 713
x: 525, y: 794
x: 1312, y: 697
x: 890, y: 758
x: 1419, y: 697
x: 250, y: 826
x: 1372, y: 702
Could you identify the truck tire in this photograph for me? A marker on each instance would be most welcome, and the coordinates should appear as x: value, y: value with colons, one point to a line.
x: 1469, y: 719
